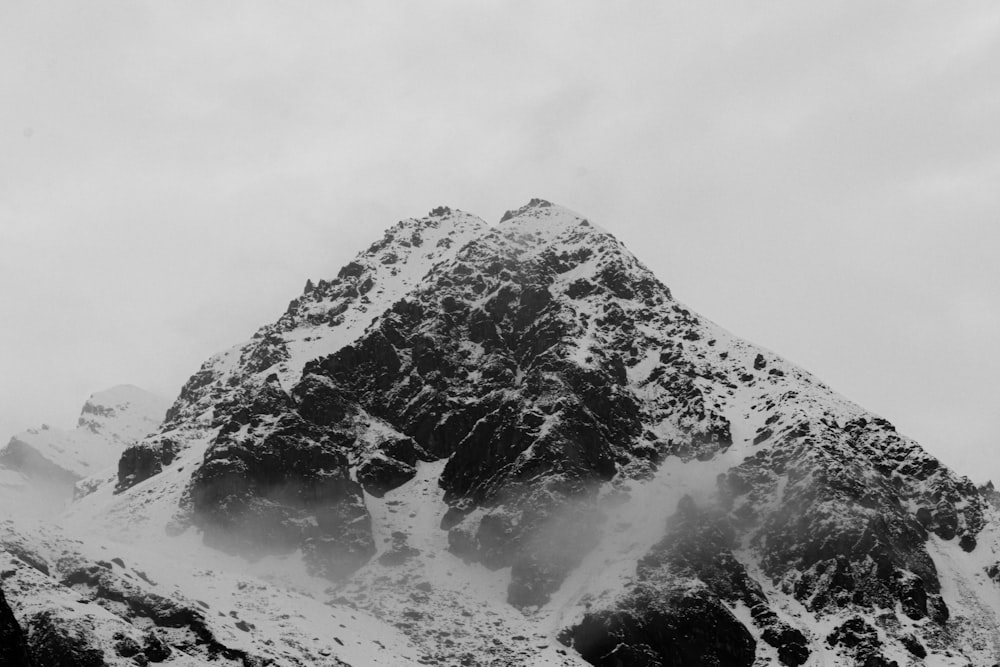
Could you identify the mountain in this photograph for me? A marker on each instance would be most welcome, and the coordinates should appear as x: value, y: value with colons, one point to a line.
x: 56, y: 459
x: 511, y: 445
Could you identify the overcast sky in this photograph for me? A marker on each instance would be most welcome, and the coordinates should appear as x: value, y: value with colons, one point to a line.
x: 820, y: 178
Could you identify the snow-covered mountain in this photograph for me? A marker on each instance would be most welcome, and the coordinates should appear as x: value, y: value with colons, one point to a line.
x: 55, y: 459
x: 511, y: 445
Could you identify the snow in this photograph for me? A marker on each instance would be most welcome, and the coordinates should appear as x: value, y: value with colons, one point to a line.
x: 390, y: 284
x: 462, y: 605
x: 290, y: 622
x: 970, y: 595
x: 110, y: 420
x: 415, y: 601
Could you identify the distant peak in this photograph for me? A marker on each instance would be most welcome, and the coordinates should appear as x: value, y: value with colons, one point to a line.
x: 451, y: 215
x: 533, y: 204
x: 121, y: 393
x: 544, y: 217
x: 123, y: 398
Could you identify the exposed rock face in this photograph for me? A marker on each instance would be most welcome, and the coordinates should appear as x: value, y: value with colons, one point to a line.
x: 858, y: 639
x: 13, y: 647
x: 691, y: 572
x: 847, y: 531
x: 143, y: 460
x: 532, y: 421
x: 61, y: 644
x: 664, y: 628
x: 547, y: 380
x: 277, y: 482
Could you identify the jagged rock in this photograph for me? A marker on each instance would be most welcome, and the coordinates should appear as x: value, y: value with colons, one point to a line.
x: 654, y: 629
x: 913, y: 645
x: 698, y: 547
x: 13, y: 646
x: 255, y: 486
x: 381, y: 474
x: 54, y: 642
x: 141, y: 461
x: 860, y: 641
x: 319, y: 400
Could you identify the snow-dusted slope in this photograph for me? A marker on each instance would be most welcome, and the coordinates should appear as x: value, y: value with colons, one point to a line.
x: 512, y: 445
x: 330, y: 313
x: 40, y: 466
x: 87, y: 602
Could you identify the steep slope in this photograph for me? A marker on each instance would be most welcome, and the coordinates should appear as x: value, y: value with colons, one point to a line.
x: 518, y: 432
x: 56, y: 458
x: 327, y: 316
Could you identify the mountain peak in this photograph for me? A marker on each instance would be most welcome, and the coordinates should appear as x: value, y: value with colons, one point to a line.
x: 530, y: 398
x: 118, y: 401
x: 534, y: 204
x: 544, y: 211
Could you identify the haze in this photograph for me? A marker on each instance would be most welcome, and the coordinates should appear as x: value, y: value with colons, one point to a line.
x: 820, y: 178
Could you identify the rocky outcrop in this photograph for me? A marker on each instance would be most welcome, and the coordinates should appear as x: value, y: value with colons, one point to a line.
x: 840, y: 537
x: 13, y: 647
x: 664, y: 628
x: 143, y: 460
x: 273, y: 482
x: 54, y: 641
x: 692, y: 570
x: 859, y: 640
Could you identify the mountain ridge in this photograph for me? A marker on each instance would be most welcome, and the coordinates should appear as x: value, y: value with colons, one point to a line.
x: 519, y: 432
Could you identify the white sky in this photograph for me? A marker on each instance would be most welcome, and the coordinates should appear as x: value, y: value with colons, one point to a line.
x: 820, y: 178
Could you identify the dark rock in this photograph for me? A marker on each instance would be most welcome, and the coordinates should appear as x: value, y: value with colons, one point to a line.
x: 126, y: 647
x: 852, y: 633
x: 351, y: 270
x: 379, y: 475
x: 254, y: 496
x: 13, y: 646
x: 454, y: 516
x: 27, y: 556
x: 154, y: 648
x: 792, y: 645
x: 320, y: 401
x: 913, y: 645
x: 56, y: 642
x: 405, y: 450
x: 654, y: 631
x: 399, y: 552
x: 141, y: 461
x: 861, y: 641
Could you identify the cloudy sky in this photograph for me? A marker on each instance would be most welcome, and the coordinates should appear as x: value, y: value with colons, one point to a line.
x: 821, y: 178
